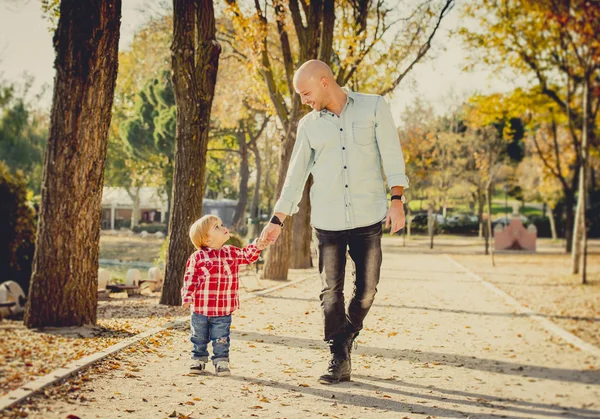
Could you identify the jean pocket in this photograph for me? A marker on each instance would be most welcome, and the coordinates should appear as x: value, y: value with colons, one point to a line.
x: 363, y: 132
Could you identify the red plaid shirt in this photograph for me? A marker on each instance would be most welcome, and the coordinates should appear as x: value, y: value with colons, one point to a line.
x: 211, y: 283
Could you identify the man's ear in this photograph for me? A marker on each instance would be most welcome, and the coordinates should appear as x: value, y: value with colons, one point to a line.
x: 324, y: 82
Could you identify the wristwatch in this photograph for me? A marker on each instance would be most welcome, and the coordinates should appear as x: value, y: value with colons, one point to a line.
x: 399, y: 197
x: 276, y: 220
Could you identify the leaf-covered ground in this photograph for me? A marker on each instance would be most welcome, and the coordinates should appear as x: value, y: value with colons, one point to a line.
x: 436, y: 343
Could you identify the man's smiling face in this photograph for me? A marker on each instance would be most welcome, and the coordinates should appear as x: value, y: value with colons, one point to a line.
x: 312, y: 92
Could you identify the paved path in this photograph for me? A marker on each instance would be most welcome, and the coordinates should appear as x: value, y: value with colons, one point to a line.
x: 436, y: 344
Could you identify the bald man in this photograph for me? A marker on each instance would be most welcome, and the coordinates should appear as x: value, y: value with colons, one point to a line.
x: 347, y: 142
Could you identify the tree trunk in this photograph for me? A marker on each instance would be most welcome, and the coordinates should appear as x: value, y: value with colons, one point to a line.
x: 408, y: 222
x: 578, y: 226
x: 480, y: 205
x: 256, y: 197
x: 64, y: 282
x: 239, y: 219
x: 195, y: 56
x: 490, y: 231
x: 169, y: 191
x: 302, y: 232
x: 430, y: 226
x: 569, y: 219
x: 278, y: 256
x: 135, y: 208
x: 552, y: 222
x: 579, y: 232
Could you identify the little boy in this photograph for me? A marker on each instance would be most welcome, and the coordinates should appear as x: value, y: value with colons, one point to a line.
x: 210, y: 287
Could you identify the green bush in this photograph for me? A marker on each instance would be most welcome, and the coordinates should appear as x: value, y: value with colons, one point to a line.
x: 235, y: 240
x: 119, y: 224
x: 542, y: 224
x: 17, y: 228
x: 150, y: 228
x: 161, y: 260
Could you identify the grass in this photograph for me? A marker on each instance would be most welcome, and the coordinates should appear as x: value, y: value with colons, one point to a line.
x: 133, y: 248
x: 498, y: 207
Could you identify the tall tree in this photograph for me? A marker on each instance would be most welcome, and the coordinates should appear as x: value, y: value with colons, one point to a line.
x: 350, y: 37
x: 555, y: 41
x: 239, y: 117
x: 23, y: 132
x: 63, y: 289
x: 148, y: 141
x: 195, y: 54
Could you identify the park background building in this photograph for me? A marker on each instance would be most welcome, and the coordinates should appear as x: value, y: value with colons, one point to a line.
x: 152, y: 208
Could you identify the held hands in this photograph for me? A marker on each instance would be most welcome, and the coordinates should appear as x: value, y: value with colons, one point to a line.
x: 186, y: 305
x: 396, y: 216
x: 261, y: 244
x: 270, y: 233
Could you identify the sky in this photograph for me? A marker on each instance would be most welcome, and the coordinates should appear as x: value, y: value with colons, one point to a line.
x: 26, y: 47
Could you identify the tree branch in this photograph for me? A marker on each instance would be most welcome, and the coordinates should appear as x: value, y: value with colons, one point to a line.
x: 254, y: 137
x: 328, y: 23
x: 227, y: 150
x: 288, y: 61
x: 297, y: 19
x: 423, y: 50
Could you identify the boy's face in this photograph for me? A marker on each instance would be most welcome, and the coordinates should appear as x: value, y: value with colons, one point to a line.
x: 217, y: 235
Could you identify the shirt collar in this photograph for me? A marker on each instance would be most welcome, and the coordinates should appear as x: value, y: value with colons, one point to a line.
x: 350, y: 94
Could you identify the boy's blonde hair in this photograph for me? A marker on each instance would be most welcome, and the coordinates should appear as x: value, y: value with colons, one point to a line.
x: 199, y: 230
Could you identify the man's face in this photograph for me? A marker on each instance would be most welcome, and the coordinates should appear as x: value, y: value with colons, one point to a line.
x: 217, y: 235
x: 312, y: 92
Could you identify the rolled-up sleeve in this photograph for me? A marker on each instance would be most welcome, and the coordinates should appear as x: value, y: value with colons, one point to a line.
x: 389, y: 146
x: 297, y: 174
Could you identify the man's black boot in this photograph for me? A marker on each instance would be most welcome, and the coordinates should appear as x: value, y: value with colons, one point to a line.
x: 348, y: 344
x: 339, y: 365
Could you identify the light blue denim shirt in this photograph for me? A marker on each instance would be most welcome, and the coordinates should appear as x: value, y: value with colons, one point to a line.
x: 347, y: 156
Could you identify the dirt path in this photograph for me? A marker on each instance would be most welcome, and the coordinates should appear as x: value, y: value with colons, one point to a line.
x: 436, y: 344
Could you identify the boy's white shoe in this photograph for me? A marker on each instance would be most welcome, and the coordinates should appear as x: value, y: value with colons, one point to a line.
x: 197, y: 367
x: 222, y: 368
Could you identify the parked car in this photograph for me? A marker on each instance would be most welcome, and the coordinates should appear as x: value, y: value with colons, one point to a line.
x: 506, y: 220
x: 420, y: 219
x: 463, y: 217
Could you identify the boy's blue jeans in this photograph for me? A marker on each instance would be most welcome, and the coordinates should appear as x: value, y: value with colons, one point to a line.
x: 210, y: 329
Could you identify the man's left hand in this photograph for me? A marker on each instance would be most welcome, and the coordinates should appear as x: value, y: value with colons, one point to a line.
x: 396, y: 216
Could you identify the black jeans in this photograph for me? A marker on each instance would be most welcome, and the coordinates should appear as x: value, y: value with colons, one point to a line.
x: 364, y: 244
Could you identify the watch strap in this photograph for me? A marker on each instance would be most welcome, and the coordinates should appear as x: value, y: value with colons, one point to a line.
x: 275, y: 220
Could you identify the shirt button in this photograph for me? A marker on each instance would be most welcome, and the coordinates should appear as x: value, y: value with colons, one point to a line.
x: 343, y: 148
x: 341, y: 129
x: 346, y: 186
x: 345, y: 167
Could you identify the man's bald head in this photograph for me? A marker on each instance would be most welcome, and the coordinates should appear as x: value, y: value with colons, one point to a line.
x: 314, y: 69
x: 315, y: 83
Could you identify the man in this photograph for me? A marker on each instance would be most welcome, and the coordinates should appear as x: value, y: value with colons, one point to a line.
x: 343, y: 143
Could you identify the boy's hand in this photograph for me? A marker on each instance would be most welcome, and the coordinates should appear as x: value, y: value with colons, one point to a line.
x: 186, y: 305
x: 261, y: 244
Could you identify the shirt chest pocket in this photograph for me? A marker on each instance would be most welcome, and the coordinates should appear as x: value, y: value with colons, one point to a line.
x: 363, y: 132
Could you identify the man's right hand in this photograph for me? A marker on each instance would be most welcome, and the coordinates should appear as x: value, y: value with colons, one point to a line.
x: 186, y: 305
x: 270, y: 233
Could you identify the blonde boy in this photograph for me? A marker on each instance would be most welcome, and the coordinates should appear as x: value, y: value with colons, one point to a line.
x: 210, y: 288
